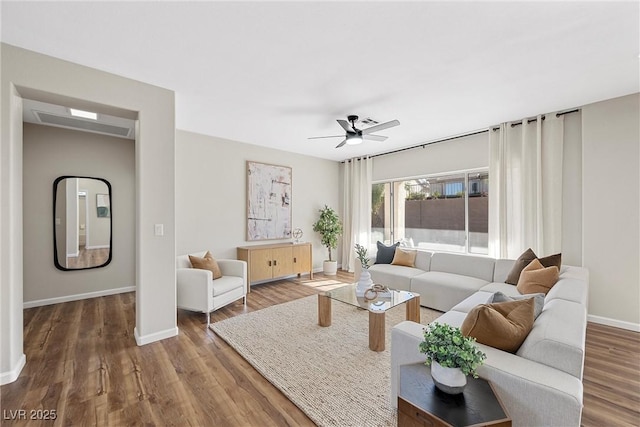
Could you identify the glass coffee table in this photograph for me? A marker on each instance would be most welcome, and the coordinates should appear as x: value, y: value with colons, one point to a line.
x: 377, y: 306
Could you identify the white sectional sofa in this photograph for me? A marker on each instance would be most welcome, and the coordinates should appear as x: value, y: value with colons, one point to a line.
x: 541, y: 384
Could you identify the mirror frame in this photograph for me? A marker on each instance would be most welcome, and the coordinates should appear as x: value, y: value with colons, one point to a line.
x: 55, y: 241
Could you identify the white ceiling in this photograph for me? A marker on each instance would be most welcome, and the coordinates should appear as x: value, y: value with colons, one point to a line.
x: 274, y: 74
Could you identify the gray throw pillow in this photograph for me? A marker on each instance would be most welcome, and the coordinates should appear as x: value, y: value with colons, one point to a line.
x: 385, y: 253
x: 538, y: 302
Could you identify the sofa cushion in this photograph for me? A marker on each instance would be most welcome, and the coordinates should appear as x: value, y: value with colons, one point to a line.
x: 558, y: 337
x: 570, y: 289
x: 502, y: 269
x: 503, y: 325
x: 466, y: 265
x: 394, y: 276
x: 423, y: 260
x: 206, y: 263
x: 467, y: 304
x: 442, y: 291
x: 406, y: 257
x: 505, y: 288
x: 385, y: 253
x: 536, y: 278
x: 537, y: 298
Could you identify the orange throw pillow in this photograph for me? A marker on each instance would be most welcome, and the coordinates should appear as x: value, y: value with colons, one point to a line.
x: 502, y: 325
x: 206, y: 263
x: 536, y: 278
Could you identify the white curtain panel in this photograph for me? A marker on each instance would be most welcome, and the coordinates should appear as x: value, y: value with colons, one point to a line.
x: 525, y: 187
x: 356, y: 215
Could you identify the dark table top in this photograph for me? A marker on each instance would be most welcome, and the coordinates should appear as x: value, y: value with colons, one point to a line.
x: 477, y: 404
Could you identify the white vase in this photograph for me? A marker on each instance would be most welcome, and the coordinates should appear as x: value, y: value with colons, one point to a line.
x: 364, y: 282
x: 449, y: 380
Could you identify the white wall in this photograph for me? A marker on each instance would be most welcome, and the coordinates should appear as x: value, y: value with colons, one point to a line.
x: 211, y: 193
x: 611, y: 209
x: 47, y: 156
x: 28, y: 74
x: 469, y: 152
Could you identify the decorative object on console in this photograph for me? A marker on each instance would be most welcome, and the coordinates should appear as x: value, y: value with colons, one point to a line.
x: 330, y: 228
x: 385, y: 253
x: 297, y: 234
x: 452, y: 356
x: 502, y: 325
x: 268, y: 201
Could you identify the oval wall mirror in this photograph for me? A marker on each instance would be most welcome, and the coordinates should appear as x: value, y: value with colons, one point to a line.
x: 81, y: 222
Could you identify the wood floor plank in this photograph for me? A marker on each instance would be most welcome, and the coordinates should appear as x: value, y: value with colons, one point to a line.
x: 83, y: 361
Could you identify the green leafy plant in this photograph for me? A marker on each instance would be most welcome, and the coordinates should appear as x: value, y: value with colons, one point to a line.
x: 329, y: 227
x: 446, y: 345
x: 361, y: 252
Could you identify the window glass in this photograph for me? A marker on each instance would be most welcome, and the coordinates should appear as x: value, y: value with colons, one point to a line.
x: 431, y: 212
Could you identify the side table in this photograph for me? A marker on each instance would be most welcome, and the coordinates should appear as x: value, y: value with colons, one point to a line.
x: 421, y: 404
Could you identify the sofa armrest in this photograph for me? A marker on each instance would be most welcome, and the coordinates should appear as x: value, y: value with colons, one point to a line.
x: 533, y: 394
x: 193, y: 288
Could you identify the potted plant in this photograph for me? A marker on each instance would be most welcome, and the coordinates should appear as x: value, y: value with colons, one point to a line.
x: 330, y: 228
x: 452, y: 356
x: 364, y: 281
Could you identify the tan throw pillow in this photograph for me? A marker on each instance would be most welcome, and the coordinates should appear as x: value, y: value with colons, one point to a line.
x: 206, y: 263
x: 502, y: 325
x: 404, y: 257
x: 535, y: 278
x: 522, y: 261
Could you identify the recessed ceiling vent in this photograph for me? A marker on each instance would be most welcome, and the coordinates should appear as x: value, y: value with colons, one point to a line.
x: 83, y: 125
x: 369, y: 121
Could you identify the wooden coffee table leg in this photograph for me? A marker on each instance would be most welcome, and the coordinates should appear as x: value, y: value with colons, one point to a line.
x: 413, y: 309
x: 324, y: 310
x: 376, y: 330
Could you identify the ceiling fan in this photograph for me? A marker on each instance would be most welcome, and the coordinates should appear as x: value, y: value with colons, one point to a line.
x: 355, y: 136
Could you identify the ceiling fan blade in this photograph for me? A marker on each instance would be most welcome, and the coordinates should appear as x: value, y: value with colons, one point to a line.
x: 319, y: 137
x: 341, y: 144
x: 346, y: 125
x: 381, y: 126
x: 379, y: 138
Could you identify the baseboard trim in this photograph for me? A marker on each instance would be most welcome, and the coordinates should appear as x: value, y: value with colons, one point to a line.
x: 156, y: 336
x: 67, y: 298
x: 13, y: 374
x: 635, y: 327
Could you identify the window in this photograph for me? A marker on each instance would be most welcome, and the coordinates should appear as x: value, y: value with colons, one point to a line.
x: 433, y: 212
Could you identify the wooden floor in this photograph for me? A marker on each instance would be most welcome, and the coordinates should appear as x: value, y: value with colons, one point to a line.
x: 83, y: 362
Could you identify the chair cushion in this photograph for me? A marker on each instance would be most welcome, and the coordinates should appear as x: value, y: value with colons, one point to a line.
x: 206, y: 263
x: 226, y: 284
x: 502, y: 325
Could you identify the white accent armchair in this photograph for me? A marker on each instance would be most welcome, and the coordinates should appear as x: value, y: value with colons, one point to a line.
x: 197, y: 291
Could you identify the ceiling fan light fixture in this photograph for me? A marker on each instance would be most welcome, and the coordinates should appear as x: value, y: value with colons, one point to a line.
x: 354, y: 140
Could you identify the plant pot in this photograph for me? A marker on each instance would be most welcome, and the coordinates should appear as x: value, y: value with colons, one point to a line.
x: 330, y: 268
x: 449, y: 380
x: 364, y: 282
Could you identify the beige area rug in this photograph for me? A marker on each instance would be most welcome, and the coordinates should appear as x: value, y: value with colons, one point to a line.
x: 329, y: 373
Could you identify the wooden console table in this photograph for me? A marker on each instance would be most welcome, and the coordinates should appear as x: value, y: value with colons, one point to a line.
x: 420, y: 403
x: 276, y: 260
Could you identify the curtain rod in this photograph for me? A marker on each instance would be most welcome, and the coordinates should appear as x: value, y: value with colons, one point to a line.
x: 424, y: 144
x: 536, y: 119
